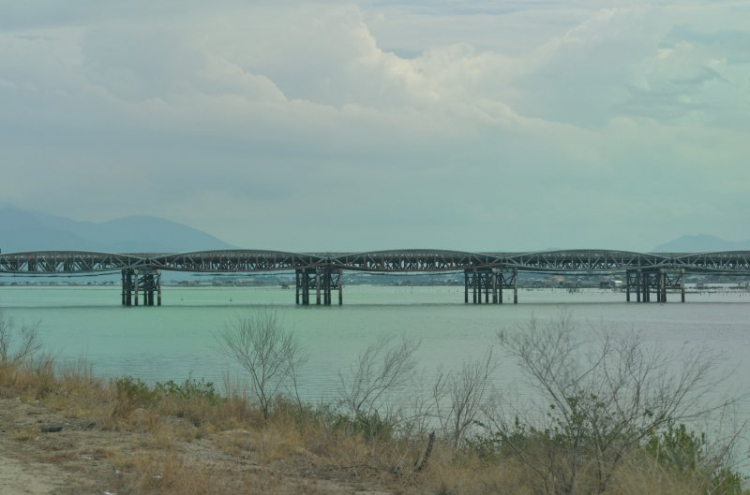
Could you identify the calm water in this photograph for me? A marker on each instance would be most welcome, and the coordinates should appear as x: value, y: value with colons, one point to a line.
x: 177, y: 340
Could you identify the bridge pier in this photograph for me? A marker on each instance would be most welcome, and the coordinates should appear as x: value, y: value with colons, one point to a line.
x: 486, y: 285
x: 324, y: 280
x: 135, y: 280
x: 658, y: 281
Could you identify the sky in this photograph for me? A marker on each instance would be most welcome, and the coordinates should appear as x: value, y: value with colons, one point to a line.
x: 383, y: 124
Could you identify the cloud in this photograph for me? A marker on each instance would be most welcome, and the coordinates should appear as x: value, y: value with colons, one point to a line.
x: 388, y: 122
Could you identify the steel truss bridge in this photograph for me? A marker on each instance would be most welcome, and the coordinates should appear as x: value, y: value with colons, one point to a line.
x: 648, y: 276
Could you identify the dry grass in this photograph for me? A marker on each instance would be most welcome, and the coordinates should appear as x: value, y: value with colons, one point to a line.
x: 170, y: 474
x: 32, y: 377
x: 26, y: 434
x: 193, y: 442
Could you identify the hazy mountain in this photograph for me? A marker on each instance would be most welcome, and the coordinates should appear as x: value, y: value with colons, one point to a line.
x: 23, y: 230
x: 701, y: 243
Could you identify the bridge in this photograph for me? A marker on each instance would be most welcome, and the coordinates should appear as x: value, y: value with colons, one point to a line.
x: 648, y: 276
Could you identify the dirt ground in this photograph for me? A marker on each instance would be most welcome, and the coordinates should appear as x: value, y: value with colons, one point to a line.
x: 44, y: 453
x: 36, y: 463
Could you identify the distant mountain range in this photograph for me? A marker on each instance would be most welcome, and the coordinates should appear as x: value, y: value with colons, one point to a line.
x: 24, y: 230
x: 701, y: 243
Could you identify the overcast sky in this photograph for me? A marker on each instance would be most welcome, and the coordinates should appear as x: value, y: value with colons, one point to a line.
x: 345, y: 126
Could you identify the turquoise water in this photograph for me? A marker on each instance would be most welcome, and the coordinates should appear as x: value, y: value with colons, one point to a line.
x: 177, y: 340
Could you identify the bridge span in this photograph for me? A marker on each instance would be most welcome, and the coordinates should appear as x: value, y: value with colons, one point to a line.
x: 648, y: 276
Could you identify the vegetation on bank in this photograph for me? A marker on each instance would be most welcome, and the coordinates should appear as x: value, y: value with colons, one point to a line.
x: 613, y: 417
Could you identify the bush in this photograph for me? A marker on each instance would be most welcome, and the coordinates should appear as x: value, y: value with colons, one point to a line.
x: 370, y: 426
x: 689, y: 455
x: 190, y: 389
x: 135, y: 391
x: 607, y: 394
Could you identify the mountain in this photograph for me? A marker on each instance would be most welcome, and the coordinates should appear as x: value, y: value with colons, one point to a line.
x: 700, y: 244
x: 24, y: 230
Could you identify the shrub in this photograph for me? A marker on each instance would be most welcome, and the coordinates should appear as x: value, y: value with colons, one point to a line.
x: 607, y: 394
x: 190, y: 389
x: 688, y: 454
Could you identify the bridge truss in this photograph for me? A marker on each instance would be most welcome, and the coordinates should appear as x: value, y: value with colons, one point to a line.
x: 486, y: 275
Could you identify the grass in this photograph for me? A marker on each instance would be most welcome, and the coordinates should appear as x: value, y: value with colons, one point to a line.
x: 195, y: 441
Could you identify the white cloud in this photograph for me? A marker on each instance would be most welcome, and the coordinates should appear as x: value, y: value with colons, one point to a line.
x: 330, y: 117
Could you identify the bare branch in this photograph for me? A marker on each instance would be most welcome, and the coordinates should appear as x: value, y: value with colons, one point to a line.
x: 270, y: 355
x: 29, y: 344
x: 382, y: 368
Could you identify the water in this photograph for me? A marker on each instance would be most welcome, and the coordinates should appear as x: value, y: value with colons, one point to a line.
x: 177, y: 340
